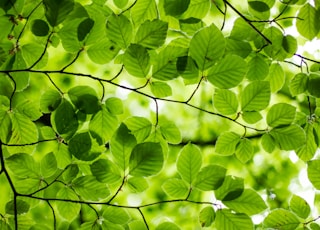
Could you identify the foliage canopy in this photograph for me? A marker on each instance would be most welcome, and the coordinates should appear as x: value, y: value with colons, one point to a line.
x: 169, y: 114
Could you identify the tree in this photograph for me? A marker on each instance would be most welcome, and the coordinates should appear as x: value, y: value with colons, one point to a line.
x: 169, y: 114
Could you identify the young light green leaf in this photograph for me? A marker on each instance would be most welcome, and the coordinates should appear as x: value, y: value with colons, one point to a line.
x: 120, y: 3
x: 244, y: 150
x: 116, y: 215
x: 207, y: 46
x: 40, y: 27
x: 120, y: 30
x: 144, y: 10
x: 121, y: 146
x: 207, y: 216
x: 89, y: 188
x: 231, y: 188
x: 102, y: 51
x: 137, y: 60
x: 299, y: 206
x: 140, y: 127
x: 137, y: 224
x: 64, y: 120
x: 308, y: 150
x: 48, y: 165
x: 160, y: 89
x: 175, y: 7
x: 307, y: 25
x: 176, y: 188
x: 57, y: 11
x: 189, y: 163
x: 258, y: 68
x: 226, y: 143
x: 20, y: 206
x: 313, y: 173
x: 255, y: 96
x: 167, y: 226
x: 23, y: 165
x: 228, y: 72
x: 299, y: 84
x: 249, y: 203
x: 251, y: 117
x: 210, y: 177
x: 226, y: 219
x: 69, y: 211
x: 105, y: 171
x: 281, y: 114
x: 197, y: 9
x: 103, y: 124
x: 152, y: 34
x: 281, y: 219
x: 268, y: 143
x: 289, y: 137
x: 225, y: 101
x: 5, y: 126
x: 114, y: 105
x: 276, y: 77
x: 137, y: 184
x: 171, y: 132
x: 85, y: 99
x: 146, y: 159
x: 29, y: 108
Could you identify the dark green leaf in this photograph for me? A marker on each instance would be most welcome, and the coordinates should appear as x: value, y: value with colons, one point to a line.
x: 175, y: 7
x: 210, y: 177
x: 40, y: 27
x: 313, y: 85
x: 146, y: 159
x: 80, y: 147
x: 21, y: 206
x: 105, y: 171
x: 85, y: 99
x: 231, y: 188
x: 50, y: 100
x: 84, y: 28
x: 259, y: 6
x: 57, y: 10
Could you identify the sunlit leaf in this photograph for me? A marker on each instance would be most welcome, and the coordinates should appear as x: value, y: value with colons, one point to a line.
x: 189, y: 162
x: 116, y: 215
x: 137, y: 184
x: 68, y: 210
x: 281, y: 219
x: 289, y: 137
x: 137, y: 60
x: 240, y: 48
x: 276, y: 77
x: 23, y: 165
x: 160, y: 89
x: 225, y: 101
x: 268, y: 142
x: 299, y: 206
x: 281, y: 114
x: 176, y: 188
x: 140, y: 127
x: 307, y: 24
x: 226, y: 143
x: 103, y: 51
x: 68, y: 35
x: 210, y: 177
x: 167, y: 226
x: 251, y: 117
x: 144, y: 10
x: 255, y: 96
x: 231, y: 188
x: 146, y: 159
x: 48, y: 165
x: 299, y: 84
x: 120, y: 3
x: 105, y: 171
x: 244, y: 150
x: 207, y: 216
x: 258, y: 68
x: 171, y: 132
x: 114, y: 105
x: 197, y: 9
x: 225, y: 219
x: 313, y: 173
x: 308, y: 150
x: 5, y: 126
x: 50, y: 100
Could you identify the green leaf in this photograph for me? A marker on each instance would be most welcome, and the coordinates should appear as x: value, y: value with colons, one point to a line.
x: 313, y: 85
x: 120, y: 30
x: 5, y: 126
x: 68, y: 210
x: 275, y: 50
x: 299, y: 84
x: 210, y: 177
x: 50, y: 100
x: 114, y: 105
x: 85, y: 99
x: 120, y: 3
x: 255, y: 96
x: 152, y: 34
x: 244, y: 150
x: 259, y: 6
x: 140, y: 127
x: 64, y: 120
x: 171, y: 132
x: 276, y: 77
x: 71, y: 173
x: 313, y: 173
x: 116, y: 215
x: 307, y: 26
x: 290, y: 45
x: 299, y: 206
x: 121, y: 146
x: 103, y: 51
x: 189, y: 162
x: 251, y: 117
x: 167, y: 226
x: 268, y: 142
x: 207, y: 216
x: 314, y: 226
x: 48, y: 165
x: 197, y: 9
x: 40, y: 27
x: 231, y: 188
x: 289, y: 137
x: 57, y: 11
x: 258, y: 68
x: 281, y: 219
x: 137, y: 184
x: 105, y: 171
x: 31, y: 52
x: 137, y: 60
x: 23, y: 165
x: 80, y: 146
x: 187, y: 68
x: 308, y: 150
x: 281, y: 114
x: 89, y: 188
x: 137, y: 224
x: 228, y: 72
x: 69, y: 35
x: 103, y: 124
x: 176, y: 188
x: 226, y: 143
x: 146, y: 159
x: 84, y: 28
x: 160, y: 89
x: 175, y: 7
x: 144, y: 10
x: 225, y: 101
x: 207, y: 46
x: 249, y: 203
x: 226, y: 219
x: 21, y: 206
